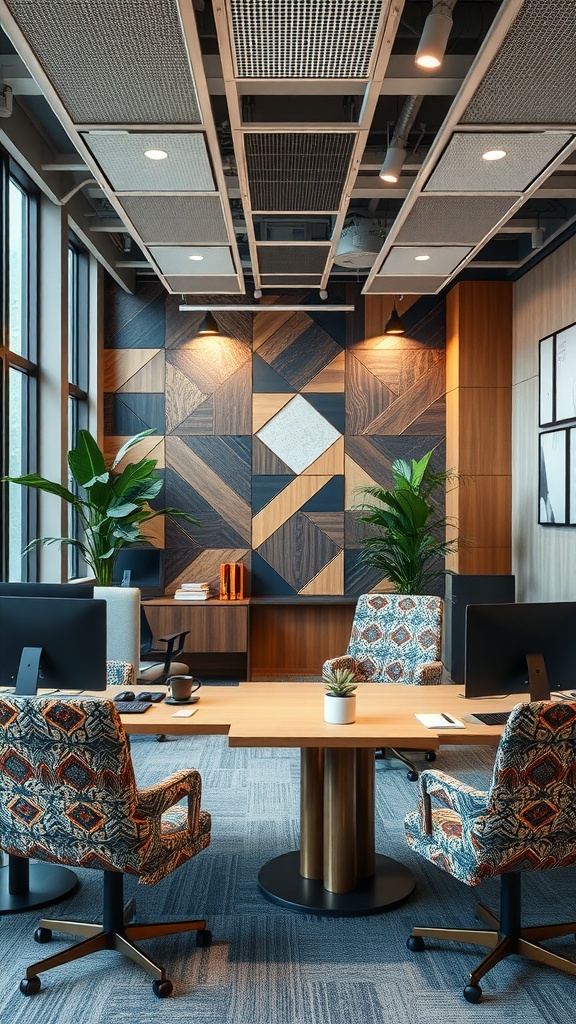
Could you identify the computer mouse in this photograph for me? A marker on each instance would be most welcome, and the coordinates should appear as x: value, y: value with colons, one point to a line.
x: 125, y: 695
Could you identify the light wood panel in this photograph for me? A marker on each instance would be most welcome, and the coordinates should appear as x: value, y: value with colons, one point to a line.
x: 330, y: 580
x: 331, y: 461
x: 265, y: 406
x: 297, y: 639
x: 330, y: 379
x: 285, y: 505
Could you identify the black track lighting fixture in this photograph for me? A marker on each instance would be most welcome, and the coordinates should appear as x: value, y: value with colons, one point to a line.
x: 394, y: 323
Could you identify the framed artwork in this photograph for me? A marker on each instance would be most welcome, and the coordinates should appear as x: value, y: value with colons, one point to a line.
x: 553, y: 478
x: 546, y: 381
x: 572, y: 476
x: 565, y: 375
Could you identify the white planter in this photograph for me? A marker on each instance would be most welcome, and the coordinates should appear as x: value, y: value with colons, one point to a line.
x: 339, y: 710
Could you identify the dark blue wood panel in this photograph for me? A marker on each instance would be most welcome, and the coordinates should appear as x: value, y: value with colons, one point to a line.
x: 265, y: 380
x: 329, y: 498
x: 265, y: 579
x: 228, y: 455
x: 264, y: 488
x: 331, y: 406
x: 128, y: 414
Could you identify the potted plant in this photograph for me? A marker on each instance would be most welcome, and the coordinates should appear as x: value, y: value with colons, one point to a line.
x: 409, y: 542
x: 340, y: 696
x: 112, y: 505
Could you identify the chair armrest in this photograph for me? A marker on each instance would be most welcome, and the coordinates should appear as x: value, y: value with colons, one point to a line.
x: 467, y: 801
x: 154, y: 800
x: 346, y: 661
x: 428, y: 673
x: 175, y: 642
x: 119, y: 673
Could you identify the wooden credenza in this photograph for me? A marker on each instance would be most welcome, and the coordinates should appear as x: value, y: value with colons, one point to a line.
x: 267, y: 636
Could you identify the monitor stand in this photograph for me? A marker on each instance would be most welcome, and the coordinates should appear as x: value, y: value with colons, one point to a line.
x: 25, y: 886
x: 537, y: 677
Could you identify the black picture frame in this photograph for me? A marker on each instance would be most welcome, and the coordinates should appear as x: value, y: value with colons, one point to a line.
x: 565, y: 374
x: 553, y: 478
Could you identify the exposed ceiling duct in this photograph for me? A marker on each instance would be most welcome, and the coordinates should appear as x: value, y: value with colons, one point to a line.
x: 360, y: 241
x: 396, y: 152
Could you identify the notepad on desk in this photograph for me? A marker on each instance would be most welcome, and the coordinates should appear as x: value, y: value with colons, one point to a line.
x: 440, y: 721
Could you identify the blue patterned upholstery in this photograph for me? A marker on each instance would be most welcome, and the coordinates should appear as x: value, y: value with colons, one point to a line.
x: 119, y: 673
x: 68, y: 792
x: 396, y: 638
x: 527, y: 818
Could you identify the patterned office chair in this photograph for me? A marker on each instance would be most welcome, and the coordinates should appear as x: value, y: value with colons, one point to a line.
x: 69, y: 796
x: 525, y: 822
x: 396, y: 638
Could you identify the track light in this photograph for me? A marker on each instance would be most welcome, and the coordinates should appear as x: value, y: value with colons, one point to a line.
x: 209, y: 326
x: 393, y: 163
x: 437, y: 28
x: 257, y: 293
x: 394, y: 323
x: 537, y: 238
x: 323, y: 294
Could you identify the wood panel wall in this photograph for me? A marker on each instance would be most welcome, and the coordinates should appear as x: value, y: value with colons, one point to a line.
x: 543, y: 557
x: 478, y: 424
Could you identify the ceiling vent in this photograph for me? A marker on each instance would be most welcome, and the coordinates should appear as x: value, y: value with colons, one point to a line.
x: 360, y: 242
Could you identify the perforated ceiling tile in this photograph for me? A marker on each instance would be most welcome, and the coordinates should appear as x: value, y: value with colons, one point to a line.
x: 304, y: 39
x: 292, y: 259
x: 406, y: 285
x: 174, y: 259
x: 452, y: 220
x: 291, y: 280
x: 182, y: 285
x: 462, y: 169
x: 297, y: 171
x: 111, y: 62
x: 532, y: 79
x: 403, y: 259
x: 121, y: 157
x: 178, y: 220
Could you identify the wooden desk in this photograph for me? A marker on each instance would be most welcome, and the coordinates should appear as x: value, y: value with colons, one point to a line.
x: 336, y: 871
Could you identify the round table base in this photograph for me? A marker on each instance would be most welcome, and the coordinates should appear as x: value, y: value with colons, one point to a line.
x: 48, y: 883
x: 281, y: 882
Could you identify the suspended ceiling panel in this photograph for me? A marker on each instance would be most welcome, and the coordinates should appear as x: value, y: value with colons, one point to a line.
x: 462, y: 169
x: 532, y: 79
x: 297, y: 171
x: 187, y: 285
x: 384, y: 285
x: 304, y: 38
x: 441, y: 260
x: 135, y: 77
x: 215, y: 260
x: 291, y: 281
x: 121, y: 157
x: 183, y: 220
x: 453, y: 220
x: 292, y: 259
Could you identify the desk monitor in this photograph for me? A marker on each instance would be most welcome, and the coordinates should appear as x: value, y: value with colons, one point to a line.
x: 47, y: 590
x: 138, y: 567
x: 52, y: 642
x: 518, y: 648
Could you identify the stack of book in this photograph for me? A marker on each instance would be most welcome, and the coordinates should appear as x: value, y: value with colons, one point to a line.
x: 193, y: 592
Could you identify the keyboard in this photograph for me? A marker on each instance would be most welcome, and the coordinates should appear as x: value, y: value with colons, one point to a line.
x: 133, y: 707
x: 492, y: 717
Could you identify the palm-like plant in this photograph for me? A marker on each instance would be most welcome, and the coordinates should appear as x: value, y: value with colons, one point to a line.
x: 112, y: 507
x: 409, y: 545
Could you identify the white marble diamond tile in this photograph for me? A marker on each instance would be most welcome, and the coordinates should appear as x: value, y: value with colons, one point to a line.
x: 298, y: 434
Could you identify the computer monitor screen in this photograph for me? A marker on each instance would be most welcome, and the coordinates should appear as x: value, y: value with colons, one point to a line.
x: 47, y: 590
x: 57, y: 643
x: 517, y: 648
x: 144, y: 566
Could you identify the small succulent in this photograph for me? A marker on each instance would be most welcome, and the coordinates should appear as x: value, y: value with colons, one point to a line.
x: 339, y: 682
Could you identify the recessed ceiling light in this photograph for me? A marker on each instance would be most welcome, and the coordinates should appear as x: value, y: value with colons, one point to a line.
x: 428, y: 61
x: 196, y: 256
x: 494, y: 154
x: 155, y: 154
x: 421, y: 258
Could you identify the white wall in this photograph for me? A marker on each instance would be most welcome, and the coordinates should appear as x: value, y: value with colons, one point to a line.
x: 543, y: 557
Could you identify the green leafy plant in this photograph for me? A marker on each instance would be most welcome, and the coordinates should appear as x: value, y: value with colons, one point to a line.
x: 409, y: 543
x: 339, y: 682
x: 112, y: 507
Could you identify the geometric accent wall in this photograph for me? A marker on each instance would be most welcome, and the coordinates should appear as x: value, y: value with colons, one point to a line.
x: 266, y: 432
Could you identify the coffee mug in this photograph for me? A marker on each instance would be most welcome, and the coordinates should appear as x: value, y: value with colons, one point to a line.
x: 182, y: 687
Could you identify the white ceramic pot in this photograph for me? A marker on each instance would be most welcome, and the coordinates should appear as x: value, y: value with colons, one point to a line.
x: 339, y: 710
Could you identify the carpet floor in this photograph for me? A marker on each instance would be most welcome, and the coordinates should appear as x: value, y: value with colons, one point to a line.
x: 267, y: 964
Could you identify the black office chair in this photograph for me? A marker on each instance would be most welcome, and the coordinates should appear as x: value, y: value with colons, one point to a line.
x: 157, y: 664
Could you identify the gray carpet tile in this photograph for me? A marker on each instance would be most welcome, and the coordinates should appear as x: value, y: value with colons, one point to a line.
x: 270, y: 965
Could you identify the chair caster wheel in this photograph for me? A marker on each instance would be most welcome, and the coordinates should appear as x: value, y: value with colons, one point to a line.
x: 204, y: 937
x: 430, y: 755
x: 472, y: 993
x: 162, y: 989
x: 30, y: 986
x: 43, y: 935
x: 162, y: 739
x: 412, y: 776
x: 415, y: 943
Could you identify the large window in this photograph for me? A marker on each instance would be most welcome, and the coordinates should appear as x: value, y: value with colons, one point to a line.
x: 78, y: 329
x: 19, y: 367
